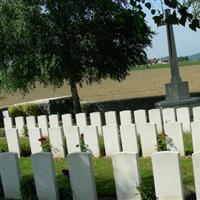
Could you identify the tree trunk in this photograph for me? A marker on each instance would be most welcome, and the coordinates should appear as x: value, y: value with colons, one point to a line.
x: 75, y: 97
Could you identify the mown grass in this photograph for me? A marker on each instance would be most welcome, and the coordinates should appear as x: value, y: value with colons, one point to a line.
x: 103, y: 173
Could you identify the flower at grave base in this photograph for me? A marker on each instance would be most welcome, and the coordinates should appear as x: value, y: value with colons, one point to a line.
x: 42, y: 139
x: 45, y: 144
x: 65, y: 172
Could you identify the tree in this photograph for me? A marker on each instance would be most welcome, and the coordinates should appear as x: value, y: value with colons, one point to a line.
x: 74, y: 41
x: 195, y: 4
x: 52, y: 41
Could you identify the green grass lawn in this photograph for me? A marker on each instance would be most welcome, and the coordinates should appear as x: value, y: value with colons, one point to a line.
x: 103, y: 174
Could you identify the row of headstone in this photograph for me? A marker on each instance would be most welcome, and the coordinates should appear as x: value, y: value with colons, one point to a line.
x: 43, y: 171
x: 126, y: 169
x: 56, y: 139
x: 127, y: 140
x: 157, y: 116
x: 124, y: 138
x: 167, y: 175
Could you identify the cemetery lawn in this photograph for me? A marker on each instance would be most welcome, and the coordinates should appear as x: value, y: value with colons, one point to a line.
x: 102, y: 170
x: 104, y: 175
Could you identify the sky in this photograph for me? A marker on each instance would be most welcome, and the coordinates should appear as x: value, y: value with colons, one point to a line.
x: 187, y: 41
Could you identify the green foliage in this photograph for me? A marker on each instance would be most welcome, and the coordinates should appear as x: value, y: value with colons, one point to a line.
x: 75, y: 41
x: 24, y: 145
x: 188, y: 144
x: 45, y: 144
x: 31, y: 109
x: 147, y: 193
x: 162, y: 142
x: 195, y: 4
x: 15, y: 111
x: 28, y: 188
x: 2, y: 132
x: 183, y: 58
x: 24, y: 110
x: 3, y: 145
x: 83, y: 146
x: 179, y: 12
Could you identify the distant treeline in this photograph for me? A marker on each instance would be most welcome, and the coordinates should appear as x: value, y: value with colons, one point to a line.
x: 183, y: 58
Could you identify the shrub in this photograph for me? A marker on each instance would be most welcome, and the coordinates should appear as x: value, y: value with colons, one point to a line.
x: 31, y: 109
x: 162, y: 142
x: 15, y: 111
x: 45, y: 144
x: 24, y: 110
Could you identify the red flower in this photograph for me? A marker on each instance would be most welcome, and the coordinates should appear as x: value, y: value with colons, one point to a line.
x: 42, y: 139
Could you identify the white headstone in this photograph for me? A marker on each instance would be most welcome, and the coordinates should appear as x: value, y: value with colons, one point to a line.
x: 67, y: 120
x: 5, y: 113
x: 57, y: 142
x: 31, y: 122
x: 129, y: 140
x: 125, y: 117
x: 81, y: 176
x: 168, y: 115
x: 140, y: 118
x: 156, y: 118
x: 111, y: 139
x: 44, y: 176
x: 12, y: 137
x: 127, y: 175
x: 183, y: 116
x: 196, y: 113
x: 10, y: 175
x: 20, y: 125
x: 54, y: 121
x: 81, y: 121
x: 174, y: 132
x: 95, y: 119
x: 167, y: 175
x: 148, y: 138
x: 91, y: 140
x: 43, y: 124
x: 8, y: 123
x: 34, y: 136
x: 72, y: 135
x: 196, y: 166
x: 111, y: 118
x: 195, y: 127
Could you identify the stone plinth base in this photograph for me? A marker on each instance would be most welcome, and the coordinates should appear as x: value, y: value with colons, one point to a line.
x: 177, y: 91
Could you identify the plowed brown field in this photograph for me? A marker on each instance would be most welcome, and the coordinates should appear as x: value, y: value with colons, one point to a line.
x: 137, y: 84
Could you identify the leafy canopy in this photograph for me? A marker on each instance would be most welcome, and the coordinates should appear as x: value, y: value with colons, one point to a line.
x: 54, y: 41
